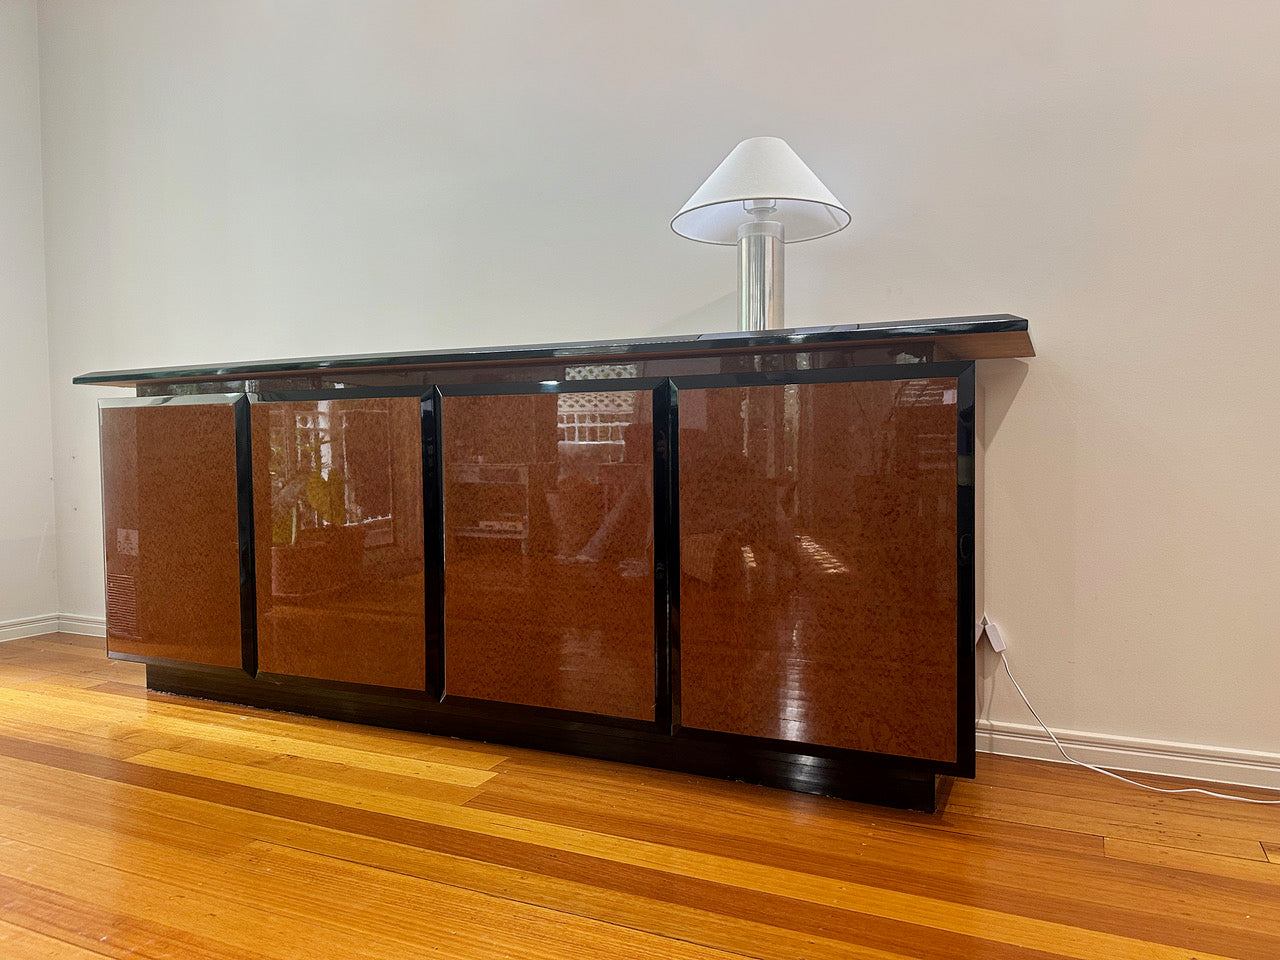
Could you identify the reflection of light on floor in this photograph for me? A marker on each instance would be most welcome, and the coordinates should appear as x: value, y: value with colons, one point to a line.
x: 748, y: 555
x: 820, y: 555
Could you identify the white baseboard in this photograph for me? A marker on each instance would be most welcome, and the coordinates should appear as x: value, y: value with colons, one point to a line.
x: 1190, y: 760
x: 30, y: 627
x: 25, y: 627
x: 84, y: 626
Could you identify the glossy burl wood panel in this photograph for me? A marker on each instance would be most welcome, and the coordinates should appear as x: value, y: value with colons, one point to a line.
x: 171, y: 531
x: 337, y: 501
x: 548, y: 509
x: 818, y: 585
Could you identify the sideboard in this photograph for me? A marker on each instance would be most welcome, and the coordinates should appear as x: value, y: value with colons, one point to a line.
x: 748, y: 556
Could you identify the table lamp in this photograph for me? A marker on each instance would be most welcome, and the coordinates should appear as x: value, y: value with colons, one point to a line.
x: 761, y: 196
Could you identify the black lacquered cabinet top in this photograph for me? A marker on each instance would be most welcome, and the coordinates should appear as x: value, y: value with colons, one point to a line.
x: 956, y: 338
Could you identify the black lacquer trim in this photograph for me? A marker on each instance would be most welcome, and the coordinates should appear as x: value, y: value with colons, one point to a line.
x: 664, y: 535
x: 673, y: 550
x: 853, y: 334
x: 354, y: 703
x: 342, y: 688
x: 864, y: 777
x: 433, y: 538
x: 244, y: 521
x: 966, y: 557
x: 523, y: 714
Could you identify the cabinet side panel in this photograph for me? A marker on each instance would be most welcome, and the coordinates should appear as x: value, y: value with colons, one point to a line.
x: 171, y: 532
x: 818, y: 575
x: 337, y: 500
x: 548, y: 523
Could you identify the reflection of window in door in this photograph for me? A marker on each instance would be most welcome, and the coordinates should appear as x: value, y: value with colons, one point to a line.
x: 597, y: 420
x: 306, y: 490
x: 339, y: 459
x: 366, y: 452
x: 352, y: 464
x: 382, y: 457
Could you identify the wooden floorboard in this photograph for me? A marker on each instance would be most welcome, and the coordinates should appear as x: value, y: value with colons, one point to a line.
x: 137, y: 824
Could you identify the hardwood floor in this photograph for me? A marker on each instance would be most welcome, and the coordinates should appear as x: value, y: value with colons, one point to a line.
x: 135, y: 824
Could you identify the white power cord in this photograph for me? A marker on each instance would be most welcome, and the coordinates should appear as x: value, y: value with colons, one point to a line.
x: 1088, y: 766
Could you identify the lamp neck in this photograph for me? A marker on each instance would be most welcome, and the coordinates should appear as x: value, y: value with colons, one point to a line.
x: 760, y: 246
x: 761, y: 228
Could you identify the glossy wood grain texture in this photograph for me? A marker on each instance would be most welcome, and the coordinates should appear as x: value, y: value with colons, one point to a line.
x: 338, y: 533
x: 818, y: 563
x: 549, y: 585
x: 171, y: 531
x: 139, y: 824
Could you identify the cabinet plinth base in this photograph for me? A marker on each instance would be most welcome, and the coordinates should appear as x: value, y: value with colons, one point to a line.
x: 848, y: 775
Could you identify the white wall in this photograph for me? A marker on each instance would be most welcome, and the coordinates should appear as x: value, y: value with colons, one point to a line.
x: 28, y: 581
x: 239, y: 180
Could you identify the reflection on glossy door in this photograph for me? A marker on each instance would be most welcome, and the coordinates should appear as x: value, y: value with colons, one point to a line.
x: 548, y: 508
x: 171, y: 531
x: 337, y: 498
x: 818, y: 582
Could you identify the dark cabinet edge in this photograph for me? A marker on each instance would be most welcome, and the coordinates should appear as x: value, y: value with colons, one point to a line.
x: 950, y: 333
x: 245, y: 534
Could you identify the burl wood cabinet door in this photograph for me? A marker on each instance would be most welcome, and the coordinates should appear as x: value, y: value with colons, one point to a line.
x: 171, y: 528
x: 548, y: 540
x: 818, y: 571
x: 338, y: 539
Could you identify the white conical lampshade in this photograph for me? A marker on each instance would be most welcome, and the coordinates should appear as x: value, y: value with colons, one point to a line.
x: 762, y: 168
